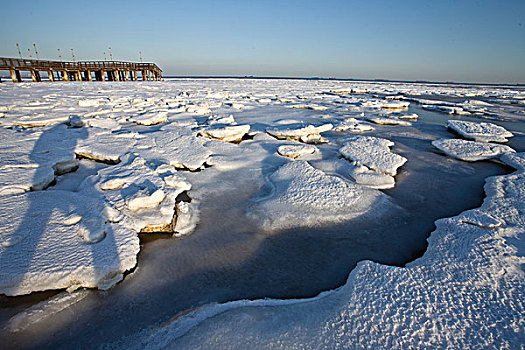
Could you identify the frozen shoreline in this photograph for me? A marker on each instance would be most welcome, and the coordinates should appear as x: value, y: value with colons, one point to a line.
x: 184, y: 136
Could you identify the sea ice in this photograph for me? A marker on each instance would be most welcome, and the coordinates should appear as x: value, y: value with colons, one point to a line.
x: 144, y: 200
x: 482, y: 132
x: 295, y: 151
x: 388, y: 121
x: 446, y: 109
x: 150, y: 118
x: 470, y: 151
x: 374, y: 153
x: 353, y: 125
x: 304, y: 196
x: 456, y: 295
x: 228, y: 133
x: 45, y: 246
x: 306, y: 134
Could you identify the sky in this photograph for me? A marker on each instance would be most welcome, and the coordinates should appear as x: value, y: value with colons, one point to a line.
x: 461, y: 41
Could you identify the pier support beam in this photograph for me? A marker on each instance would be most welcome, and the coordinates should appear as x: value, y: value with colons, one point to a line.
x: 35, y: 75
x: 50, y: 75
x: 143, y: 75
x: 15, y: 75
x: 65, y: 75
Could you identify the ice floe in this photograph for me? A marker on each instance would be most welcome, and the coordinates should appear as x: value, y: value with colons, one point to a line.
x: 142, y: 199
x: 353, y: 125
x: 61, y: 239
x: 483, y: 132
x: 295, y: 151
x: 470, y: 151
x: 304, y: 196
x: 306, y: 134
x: 455, y: 295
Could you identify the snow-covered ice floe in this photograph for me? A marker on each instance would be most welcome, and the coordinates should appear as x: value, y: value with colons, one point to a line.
x: 306, y: 134
x: 61, y: 239
x: 470, y: 151
x: 466, y: 291
x: 374, y: 164
x: 295, y: 151
x: 353, y: 125
x: 482, y: 132
x: 304, y: 196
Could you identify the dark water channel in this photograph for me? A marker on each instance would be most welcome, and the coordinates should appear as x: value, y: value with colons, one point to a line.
x: 227, y: 258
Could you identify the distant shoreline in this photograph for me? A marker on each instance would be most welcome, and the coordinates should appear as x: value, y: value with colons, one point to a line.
x: 342, y: 79
x: 7, y: 79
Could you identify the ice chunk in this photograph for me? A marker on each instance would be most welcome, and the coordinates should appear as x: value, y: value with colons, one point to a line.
x: 366, y: 177
x: 482, y: 132
x: 178, y: 147
x: 394, y: 104
x: 388, y: 121
x: 49, y: 247
x: 228, y: 133
x: 353, y: 125
x: 217, y: 119
x: 374, y: 153
x: 470, y: 151
x: 307, y: 134
x: 75, y: 121
x: 187, y: 219
x: 295, y: 151
x: 150, y: 118
x: 144, y: 198
x: 305, y: 196
x: 446, y: 109
x: 105, y: 147
x: 103, y: 123
x: 147, y: 202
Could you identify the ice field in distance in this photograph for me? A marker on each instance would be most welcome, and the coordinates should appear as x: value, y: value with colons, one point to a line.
x: 88, y: 168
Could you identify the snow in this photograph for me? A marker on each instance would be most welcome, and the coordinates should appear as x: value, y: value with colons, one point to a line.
x: 44, y: 245
x: 353, y: 125
x: 147, y: 143
x: 228, y: 133
x: 306, y: 134
x: 388, y: 121
x: 482, y: 132
x: 374, y: 153
x: 304, y: 196
x: 466, y: 291
x: 296, y: 151
x: 142, y: 200
x: 470, y: 151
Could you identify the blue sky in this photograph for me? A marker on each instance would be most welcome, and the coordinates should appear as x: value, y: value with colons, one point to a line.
x: 476, y: 41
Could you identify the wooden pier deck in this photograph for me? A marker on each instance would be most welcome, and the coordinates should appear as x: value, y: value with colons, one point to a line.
x: 81, y: 70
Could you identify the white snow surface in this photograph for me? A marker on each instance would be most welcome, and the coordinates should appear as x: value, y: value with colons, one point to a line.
x: 304, y: 196
x: 306, y: 134
x: 470, y: 151
x: 61, y: 239
x: 482, y: 132
x: 374, y: 153
x: 467, y: 291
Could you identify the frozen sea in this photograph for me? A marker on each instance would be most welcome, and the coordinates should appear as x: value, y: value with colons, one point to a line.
x: 121, y: 160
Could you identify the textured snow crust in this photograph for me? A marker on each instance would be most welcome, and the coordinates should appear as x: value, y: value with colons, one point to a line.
x: 466, y: 291
x: 304, y: 196
x: 470, y: 151
x: 482, y: 132
x: 61, y: 239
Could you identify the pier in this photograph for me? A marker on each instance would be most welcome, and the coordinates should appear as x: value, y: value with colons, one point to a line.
x: 81, y: 70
